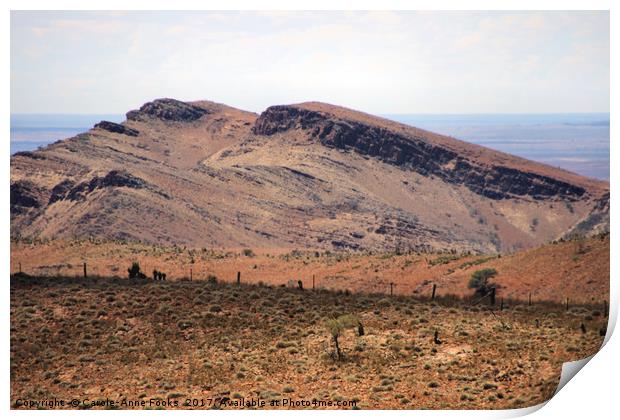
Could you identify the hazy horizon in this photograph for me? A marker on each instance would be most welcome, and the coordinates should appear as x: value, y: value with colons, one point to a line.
x: 381, y: 114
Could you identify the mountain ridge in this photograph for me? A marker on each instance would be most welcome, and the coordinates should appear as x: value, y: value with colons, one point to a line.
x: 309, y: 175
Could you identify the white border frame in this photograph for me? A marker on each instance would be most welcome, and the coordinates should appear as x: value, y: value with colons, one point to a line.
x: 593, y: 393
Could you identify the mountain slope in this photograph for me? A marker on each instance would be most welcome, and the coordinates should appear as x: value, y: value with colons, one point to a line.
x: 309, y: 175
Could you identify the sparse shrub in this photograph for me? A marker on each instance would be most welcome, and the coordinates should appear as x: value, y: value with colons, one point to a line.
x: 248, y: 252
x: 283, y: 344
x: 184, y: 324
x: 337, y: 326
x: 384, y: 303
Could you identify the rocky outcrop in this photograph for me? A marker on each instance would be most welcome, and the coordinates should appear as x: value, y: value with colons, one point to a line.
x: 120, y: 179
x: 25, y: 195
x: 415, y: 153
x: 167, y: 110
x: 68, y: 190
x: 32, y: 155
x: 117, y: 128
x: 60, y: 191
x: 112, y: 179
x: 597, y: 221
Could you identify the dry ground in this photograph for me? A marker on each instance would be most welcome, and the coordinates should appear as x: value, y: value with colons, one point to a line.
x: 116, y: 338
x: 577, y: 269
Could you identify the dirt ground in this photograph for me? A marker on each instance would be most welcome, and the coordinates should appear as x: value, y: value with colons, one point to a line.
x: 212, y: 344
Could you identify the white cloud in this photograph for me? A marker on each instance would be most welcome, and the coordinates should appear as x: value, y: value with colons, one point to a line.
x: 382, y: 62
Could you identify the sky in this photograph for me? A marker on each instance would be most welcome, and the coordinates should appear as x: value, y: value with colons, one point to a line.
x: 380, y: 62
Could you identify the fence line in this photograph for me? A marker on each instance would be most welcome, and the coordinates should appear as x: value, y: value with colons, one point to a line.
x: 57, y: 271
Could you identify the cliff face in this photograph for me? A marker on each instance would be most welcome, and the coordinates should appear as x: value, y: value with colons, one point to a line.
x: 297, y: 176
x: 417, y: 154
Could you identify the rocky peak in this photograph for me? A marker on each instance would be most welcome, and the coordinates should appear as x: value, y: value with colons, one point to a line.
x: 168, y: 110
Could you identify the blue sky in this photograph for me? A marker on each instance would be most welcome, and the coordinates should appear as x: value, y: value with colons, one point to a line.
x: 379, y: 62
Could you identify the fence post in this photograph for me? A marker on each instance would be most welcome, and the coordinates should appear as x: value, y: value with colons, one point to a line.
x: 501, y: 305
x: 434, y: 290
x: 190, y: 274
x: 529, y: 301
x: 567, y: 304
x: 238, y: 277
x: 493, y: 296
x: 313, y: 282
x: 391, y: 288
x: 20, y: 267
x: 84, y: 269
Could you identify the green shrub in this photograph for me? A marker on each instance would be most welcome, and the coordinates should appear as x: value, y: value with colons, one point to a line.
x: 480, y: 281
